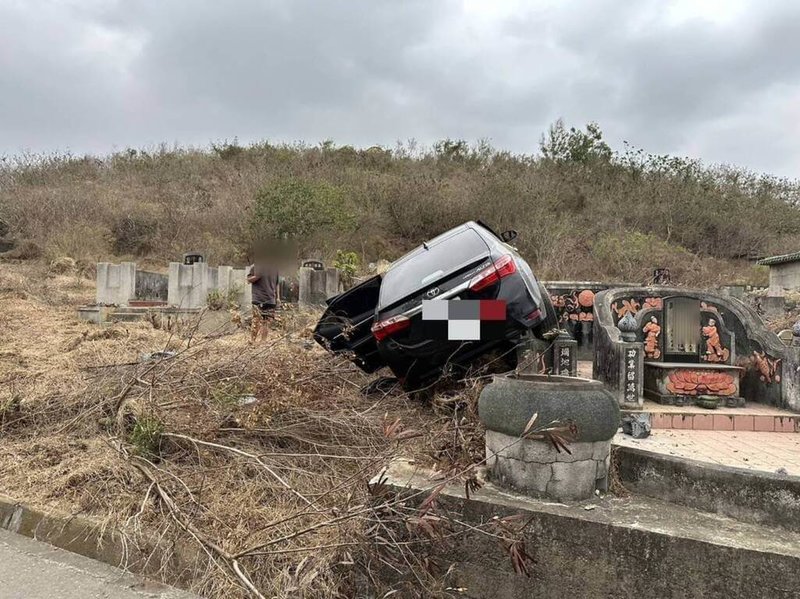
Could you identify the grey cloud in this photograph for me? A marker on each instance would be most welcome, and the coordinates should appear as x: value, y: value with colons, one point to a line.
x: 93, y: 75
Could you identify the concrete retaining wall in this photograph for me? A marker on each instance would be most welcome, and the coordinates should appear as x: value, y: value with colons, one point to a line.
x: 184, y: 562
x: 749, y: 496
x: 631, y: 548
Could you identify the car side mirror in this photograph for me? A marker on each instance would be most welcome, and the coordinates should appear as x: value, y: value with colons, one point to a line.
x: 509, y: 235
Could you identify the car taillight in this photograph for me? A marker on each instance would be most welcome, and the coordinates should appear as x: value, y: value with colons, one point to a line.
x: 501, y: 268
x: 535, y: 315
x: 385, y: 328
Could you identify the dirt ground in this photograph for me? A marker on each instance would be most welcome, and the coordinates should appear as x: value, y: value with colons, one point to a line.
x: 259, y: 455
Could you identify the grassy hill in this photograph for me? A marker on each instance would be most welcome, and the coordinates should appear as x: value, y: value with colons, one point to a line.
x: 583, y: 210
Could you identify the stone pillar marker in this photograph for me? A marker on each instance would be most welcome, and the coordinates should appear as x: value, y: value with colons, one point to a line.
x: 224, y: 279
x: 239, y: 281
x: 631, y: 376
x: 116, y: 283
x: 791, y: 372
x: 331, y: 282
x: 315, y: 286
x: 188, y: 285
x: 565, y: 356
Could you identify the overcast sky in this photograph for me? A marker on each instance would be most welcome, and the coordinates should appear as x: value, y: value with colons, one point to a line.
x: 712, y: 79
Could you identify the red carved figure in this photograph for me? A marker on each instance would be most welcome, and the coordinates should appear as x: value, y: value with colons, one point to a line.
x: 767, y: 367
x: 652, y: 330
x: 714, y: 350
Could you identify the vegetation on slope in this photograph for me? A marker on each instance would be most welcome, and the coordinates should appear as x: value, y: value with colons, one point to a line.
x: 582, y: 209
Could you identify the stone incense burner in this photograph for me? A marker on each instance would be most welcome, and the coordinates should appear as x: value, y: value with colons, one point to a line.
x: 535, y: 466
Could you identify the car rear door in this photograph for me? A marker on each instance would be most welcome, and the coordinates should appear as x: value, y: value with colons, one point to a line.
x: 345, y: 326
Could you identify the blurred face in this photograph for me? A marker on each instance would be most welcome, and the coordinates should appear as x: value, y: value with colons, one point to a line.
x: 277, y: 252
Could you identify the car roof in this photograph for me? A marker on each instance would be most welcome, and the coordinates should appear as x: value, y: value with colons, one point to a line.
x: 483, y: 231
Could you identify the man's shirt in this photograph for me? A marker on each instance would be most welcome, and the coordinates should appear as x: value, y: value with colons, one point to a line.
x: 265, y: 290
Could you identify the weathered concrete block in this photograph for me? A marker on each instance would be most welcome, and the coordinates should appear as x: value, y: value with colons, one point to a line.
x: 791, y: 379
x: 116, y: 283
x: 601, y: 450
x: 315, y: 286
x: 491, y: 457
x: 535, y: 467
x: 573, y: 481
x: 189, y: 284
x: 93, y: 314
x: 756, y: 497
x: 331, y: 282
x: 239, y: 282
x: 603, y: 467
x: 224, y: 282
x: 527, y: 478
x: 505, y: 446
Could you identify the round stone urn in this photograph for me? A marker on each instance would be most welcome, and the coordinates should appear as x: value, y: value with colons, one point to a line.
x: 534, y: 466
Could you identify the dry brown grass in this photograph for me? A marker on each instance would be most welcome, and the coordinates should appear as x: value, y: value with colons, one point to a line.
x: 274, y: 492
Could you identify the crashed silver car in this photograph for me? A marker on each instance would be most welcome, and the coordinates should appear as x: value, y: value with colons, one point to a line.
x: 440, y: 308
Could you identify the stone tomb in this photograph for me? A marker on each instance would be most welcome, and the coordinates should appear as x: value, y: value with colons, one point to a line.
x: 679, y: 346
x: 573, y: 302
x: 317, y: 285
x: 187, y: 286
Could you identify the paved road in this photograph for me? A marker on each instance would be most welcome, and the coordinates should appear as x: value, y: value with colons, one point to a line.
x: 33, y: 570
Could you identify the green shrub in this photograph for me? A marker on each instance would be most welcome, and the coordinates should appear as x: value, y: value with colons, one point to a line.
x: 347, y: 264
x: 228, y: 150
x: 146, y: 436
x: 297, y: 208
x: 224, y: 299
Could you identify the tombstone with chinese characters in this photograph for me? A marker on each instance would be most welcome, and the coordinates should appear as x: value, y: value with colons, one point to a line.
x: 682, y: 346
x: 565, y: 356
x: 541, y: 356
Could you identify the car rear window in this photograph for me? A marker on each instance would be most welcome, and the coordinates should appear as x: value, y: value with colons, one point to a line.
x: 426, y: 267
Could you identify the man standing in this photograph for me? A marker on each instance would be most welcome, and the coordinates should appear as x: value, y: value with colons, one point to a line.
x: 264, y: 279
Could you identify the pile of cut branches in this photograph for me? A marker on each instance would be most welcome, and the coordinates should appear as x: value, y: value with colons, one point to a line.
x: 256, y: 458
